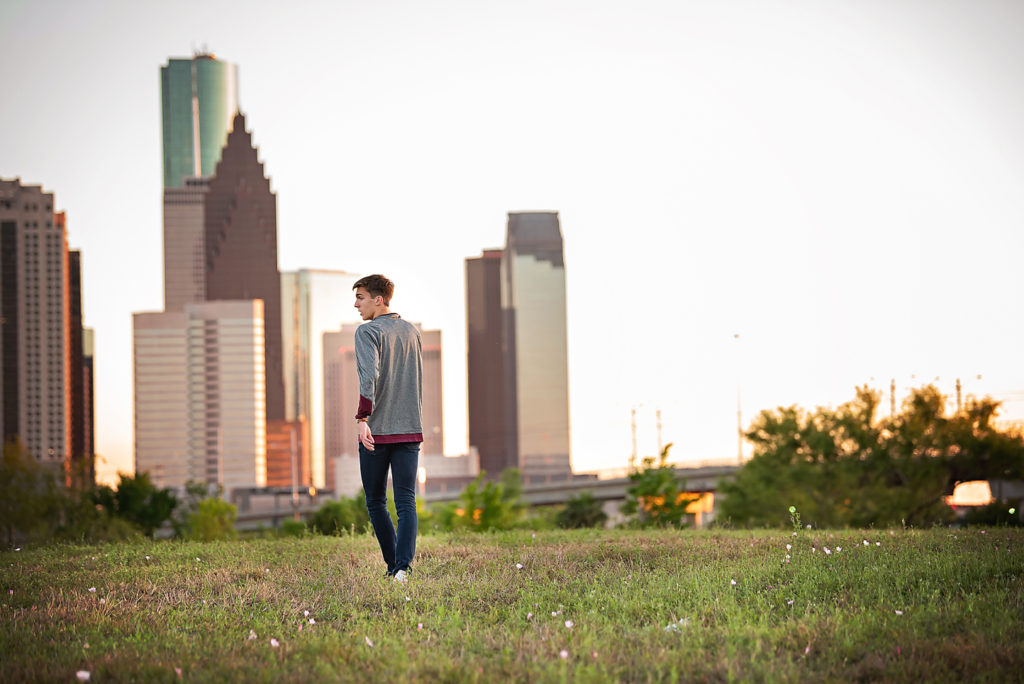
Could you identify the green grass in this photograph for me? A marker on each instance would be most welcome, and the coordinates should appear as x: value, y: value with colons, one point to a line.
x: 819, y: 617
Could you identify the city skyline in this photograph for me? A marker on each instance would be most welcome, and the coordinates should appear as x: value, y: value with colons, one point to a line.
x: 839, y: 185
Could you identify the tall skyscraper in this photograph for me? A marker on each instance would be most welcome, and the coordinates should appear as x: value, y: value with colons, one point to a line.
x: 312, y: 302
x: 82, y: 461
x: 240, y: 213
x: 200, y: 410
x: 491, y: 409
x: 35, y: 324
x: 200, y: 99
x: 527, y: 425
x: 341, y: 400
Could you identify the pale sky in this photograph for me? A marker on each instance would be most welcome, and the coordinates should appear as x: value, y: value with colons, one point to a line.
x: 839, y: 183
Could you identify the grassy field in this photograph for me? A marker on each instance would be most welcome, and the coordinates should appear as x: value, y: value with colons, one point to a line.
x: 583, y: 606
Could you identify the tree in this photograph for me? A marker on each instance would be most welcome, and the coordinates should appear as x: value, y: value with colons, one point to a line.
x: 657, y: 496
x: 846, y: 467
x: 138, y: 501
x: 30, y: 496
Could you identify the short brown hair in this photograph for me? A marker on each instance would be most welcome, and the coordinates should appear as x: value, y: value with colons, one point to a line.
x: 378, y: 286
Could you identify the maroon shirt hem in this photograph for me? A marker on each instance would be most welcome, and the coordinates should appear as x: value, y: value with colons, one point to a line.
x: 397, y: 439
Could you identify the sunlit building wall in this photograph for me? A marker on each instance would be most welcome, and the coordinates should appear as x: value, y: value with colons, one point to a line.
x: 199, y: 101
x: 35, y: 320
x: 312, y: 303
x: 200, y: 403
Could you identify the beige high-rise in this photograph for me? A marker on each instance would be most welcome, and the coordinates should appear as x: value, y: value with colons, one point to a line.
x: 200, y: 395
x: 35, y: 384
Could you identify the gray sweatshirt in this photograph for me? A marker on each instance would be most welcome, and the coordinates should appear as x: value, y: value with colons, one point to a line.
x: 389, y: 360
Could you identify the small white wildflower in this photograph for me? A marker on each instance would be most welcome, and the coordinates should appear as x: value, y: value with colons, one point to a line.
x: 867, y: 543
x: 899, y: 612
x: 368, y: 642
x: 92, y: 589
x: 252, y: 635
x: 789, y: 602
x: 732, y: 582
x: 103, y: 600
x: 83, y: 675
x: 197, y: 560
x: 556, y: 613
x: 147, y: 557
x: 274, y: 642
x: 519, y: 566
x: 305, y: 613
x: 419, y: 626
x: 839, y: 549
x: 563, y: 654
x: 407, y: 599
x: 570, y: 624
x: 789, y: 547
x: 787, y: 556
x: 529, y: 616
x: 828, y: 551
x: 878, y: 543
x: 312, y: 621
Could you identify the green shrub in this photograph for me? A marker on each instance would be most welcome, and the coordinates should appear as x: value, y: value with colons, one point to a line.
x: 582, y: 510
x: 293, y: 528
x: 343, y: 516
x: 214, y: 519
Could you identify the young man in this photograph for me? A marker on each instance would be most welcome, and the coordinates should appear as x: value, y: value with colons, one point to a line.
x: 389, y: 359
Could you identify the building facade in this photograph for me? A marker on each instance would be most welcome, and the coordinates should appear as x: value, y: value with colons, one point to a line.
x: 341, y: 402
x: 200, y: 402
x: 199, y: 101
x: 312, y: 303
x: 527, y: 424
x: 185, y: 244
x: 36, y: 400
x: 240, y: 219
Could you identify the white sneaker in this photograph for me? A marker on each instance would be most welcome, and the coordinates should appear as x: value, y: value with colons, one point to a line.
x: 401, y: 576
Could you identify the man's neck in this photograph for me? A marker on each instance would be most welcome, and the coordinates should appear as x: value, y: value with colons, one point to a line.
x: 383, y: 312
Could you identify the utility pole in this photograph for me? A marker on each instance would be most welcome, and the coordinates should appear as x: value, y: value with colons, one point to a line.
x: 892, y: 398
x: 658, y: 414
x: 632, y: 459
x: 739, y: 406
x: 295, y: 474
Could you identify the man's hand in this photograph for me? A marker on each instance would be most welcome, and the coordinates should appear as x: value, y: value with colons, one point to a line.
x: 365, y: 436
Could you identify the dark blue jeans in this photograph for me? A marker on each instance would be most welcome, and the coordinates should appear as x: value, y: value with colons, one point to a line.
x: 403, y: 460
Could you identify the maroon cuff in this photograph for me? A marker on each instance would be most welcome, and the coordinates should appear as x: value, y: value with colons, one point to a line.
x: 365, y: 407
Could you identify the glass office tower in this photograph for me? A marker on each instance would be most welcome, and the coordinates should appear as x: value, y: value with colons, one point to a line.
x: 200, y: 99
x: 518, y: 353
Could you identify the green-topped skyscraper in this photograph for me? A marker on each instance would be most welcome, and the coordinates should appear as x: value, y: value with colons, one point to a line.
x: 200, y: 100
